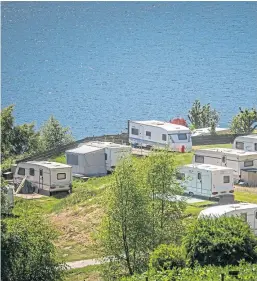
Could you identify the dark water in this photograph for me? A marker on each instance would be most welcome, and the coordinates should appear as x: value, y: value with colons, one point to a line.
x: 96, y: 64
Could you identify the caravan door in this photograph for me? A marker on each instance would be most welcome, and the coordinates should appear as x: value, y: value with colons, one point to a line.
x: 199, y: 183
x: 224, y: 161
x: 141, y: 135
x: 41, y: 179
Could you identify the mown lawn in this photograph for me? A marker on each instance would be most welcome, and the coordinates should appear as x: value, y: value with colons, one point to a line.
x: 89, y: 273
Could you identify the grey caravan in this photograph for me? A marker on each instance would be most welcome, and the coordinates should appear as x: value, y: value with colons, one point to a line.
x: 246, y: 143
x: 45, y: 177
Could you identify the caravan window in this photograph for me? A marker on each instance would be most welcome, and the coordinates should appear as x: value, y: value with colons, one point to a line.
x: 244, y: 216
x: 182, y: 136
x: 199, y: 159
x: 105, y: 156
x: 223, y: 159
x: 61, y: 176
x: 248, y: 163
x: 226, y: 179
x: 239, y: 145
x: 21, y: 171
x: 255, y: 146
x: 148, y: 134
x: 31, y: 172
x: 134, y: 131
x: 199, y: 176
x: 180, y: 176
x: 164, y: 137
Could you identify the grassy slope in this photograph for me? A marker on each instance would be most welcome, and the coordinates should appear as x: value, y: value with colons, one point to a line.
x: 89, y: 273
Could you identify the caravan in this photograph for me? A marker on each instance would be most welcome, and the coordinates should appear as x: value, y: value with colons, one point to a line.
x: 160, y: 135
x: 247, y: 211
x: 231, y: 158
x: 45, y: 177
x: 246, y: 143
x: 206, y: 180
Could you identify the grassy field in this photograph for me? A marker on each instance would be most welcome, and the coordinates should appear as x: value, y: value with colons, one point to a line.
x: 89, y: 273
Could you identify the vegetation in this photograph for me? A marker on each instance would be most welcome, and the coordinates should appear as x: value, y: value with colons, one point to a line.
x: 203, y: 116
x: 244, y: 122
x: 89, y: 273
x: 220, y: 241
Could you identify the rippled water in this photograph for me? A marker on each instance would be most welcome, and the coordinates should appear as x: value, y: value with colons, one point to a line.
x: 96, y: 64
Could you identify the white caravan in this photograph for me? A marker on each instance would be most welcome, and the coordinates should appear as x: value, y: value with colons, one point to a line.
x: 247, y: 211
x: 96, y: 158
x: 206, y: 180
x: 246, y: 143
x: 45, y: 177
x: 160, y: 134
x: 231, y: 158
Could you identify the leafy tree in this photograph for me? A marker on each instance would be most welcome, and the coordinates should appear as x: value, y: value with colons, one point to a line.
x: 54, y: 135
x: 245, y: 121
x: 27, y: 252
x: 166, y: 257
x: 125, y: 229
x: 203, y: 116
x: 164, y: 210
x: 220, y: 241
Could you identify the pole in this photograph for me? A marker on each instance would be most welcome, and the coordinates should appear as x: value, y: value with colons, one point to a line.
x: 222, y: 276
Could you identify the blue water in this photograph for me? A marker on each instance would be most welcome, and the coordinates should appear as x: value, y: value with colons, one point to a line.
x: 94, y: 65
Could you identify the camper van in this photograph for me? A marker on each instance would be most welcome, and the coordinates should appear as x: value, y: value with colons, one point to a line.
x: 45, y: 177
x: 95, y: 158
x: 245, y: 210
x: 160, y: 135
x: 231, y: 158
x: 246, y: 143
x: 206, y: 180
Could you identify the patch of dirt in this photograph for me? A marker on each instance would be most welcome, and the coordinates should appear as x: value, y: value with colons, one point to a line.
x: 246, y: 189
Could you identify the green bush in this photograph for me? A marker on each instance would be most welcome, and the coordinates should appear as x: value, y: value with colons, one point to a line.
x: 220, y: 241
x: 167, y: 257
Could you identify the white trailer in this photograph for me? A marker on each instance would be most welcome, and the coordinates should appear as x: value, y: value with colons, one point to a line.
x: 246, y: 143
x: 45, y: 177
x: 96, y: 158
x: 206, y: 180
x: 159, y: 134
x: 245, y: 210
x: 231, y: 158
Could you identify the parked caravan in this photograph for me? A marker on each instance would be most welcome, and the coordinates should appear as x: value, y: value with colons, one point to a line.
x: 160, y: 134
x: 245, y: 210
x: 246, y: 143
x: 206, y: 180
x: 231, y: 158
x: 249, y: 177
x: 96, y: 158
x: 44, y: 177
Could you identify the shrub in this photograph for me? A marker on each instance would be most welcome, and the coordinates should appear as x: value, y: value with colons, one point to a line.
x: 167, y: 257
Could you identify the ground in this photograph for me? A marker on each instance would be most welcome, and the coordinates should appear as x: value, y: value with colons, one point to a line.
x: 77, y: 217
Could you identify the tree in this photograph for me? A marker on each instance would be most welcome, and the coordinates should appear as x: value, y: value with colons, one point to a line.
x: 27, y: 252
x: 220, y: 241
x: 164, y: 209
x: 245, y: 121
x: 54, y: 135
x: 203, y: 116
x: 125, y: 228
x: 179, y: 121
x: 167, y: 257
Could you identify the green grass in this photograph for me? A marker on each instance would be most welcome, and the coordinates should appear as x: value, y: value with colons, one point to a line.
x: 249, y: 197
x: 60, y: 159
x: 194, y: 209
x: 228, y: 145
x: 89, y: 273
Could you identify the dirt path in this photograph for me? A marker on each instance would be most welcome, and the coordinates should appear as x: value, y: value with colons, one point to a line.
x: 83, y: 263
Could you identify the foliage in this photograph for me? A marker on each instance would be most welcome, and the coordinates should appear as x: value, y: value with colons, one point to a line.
x: 220, y: 241
x: 203, y: 116
x: 5, y: 202
x: 54, y: 135
x: 125, y: 228
x: 164, y: 210
x: 179, y: 121
x: 245, y: 121
x: 247, y: 272
x: 166, y: 257
x: 27, y: 252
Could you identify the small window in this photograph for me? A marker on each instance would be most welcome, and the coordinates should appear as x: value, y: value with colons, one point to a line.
x: 41, y: 172
x: 199, y: 176
x: 256, y: 215
x: 239, y: 145
x: 164, y: 137
x: 21, y: 171
x: 61, y: 176
x: 199, y: 159
x: 226, y: 179
x: 31, y: 172
x: 255, y: 146
x: 223, y: 159
x: 244, y: 216
x: 105, y: 156
x: 180, y: 176
x: 148, y: 134
x: 134, y: 131
x: 182, y: 136
x: 248, y: 163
